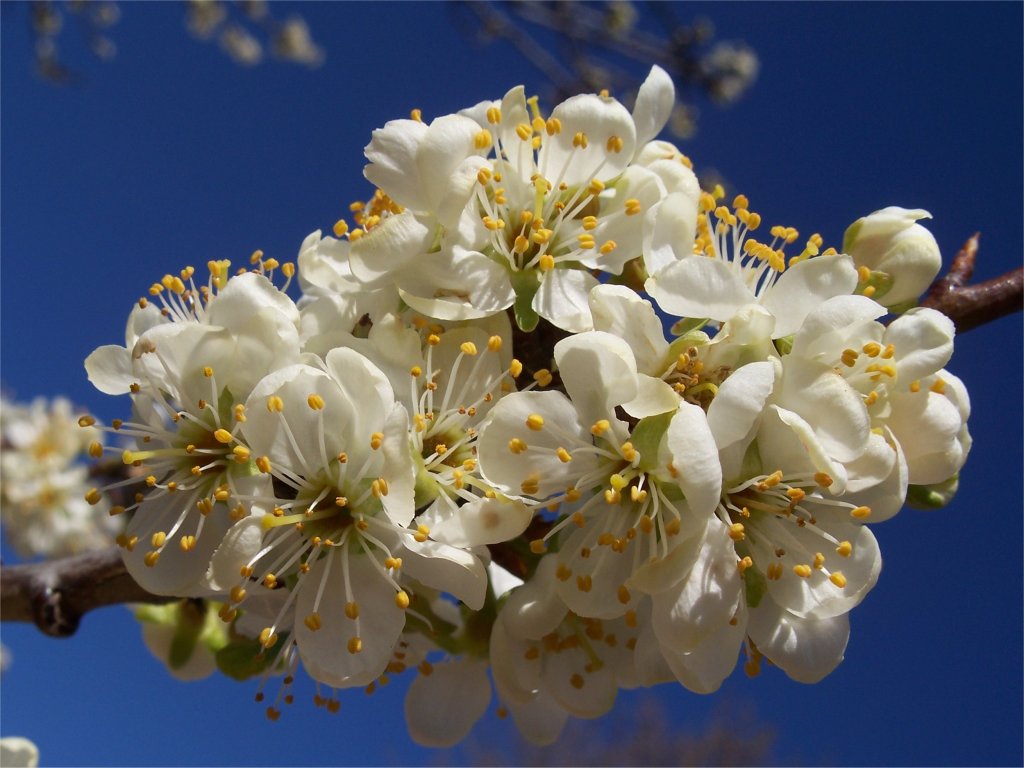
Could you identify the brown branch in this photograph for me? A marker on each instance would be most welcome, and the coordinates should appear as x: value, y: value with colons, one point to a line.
x: 969, y: 306
x: 55, y: 594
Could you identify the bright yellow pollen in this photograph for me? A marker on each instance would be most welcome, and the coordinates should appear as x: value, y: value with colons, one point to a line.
x: 315, y: 401
x: 376, y: 440
x: 516, y: 446
x: 546, y: 263
x: 802, y: 570
x: 600, y: 427
x: 844, y: 549
x: 275, y: 404
x: 736, y: 532
x: 535, y: 422
x: 563, y: 455
x: 483, y: 139
x: 819, y: 560
x: 93, y: 496
x: 861, y: 512
x: 355, y: 645
x: 402, y: 599
x: 468, y: 348
x: 543, y: 377
x: 838, y: 579
x: 823, y: 479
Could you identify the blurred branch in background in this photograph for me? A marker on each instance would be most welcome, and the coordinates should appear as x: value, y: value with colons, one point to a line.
x: 587, y: 46
x: 647, y: 734
x: 246, y: 30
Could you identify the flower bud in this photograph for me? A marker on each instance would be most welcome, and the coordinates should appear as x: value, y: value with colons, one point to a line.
x: 890, y: 241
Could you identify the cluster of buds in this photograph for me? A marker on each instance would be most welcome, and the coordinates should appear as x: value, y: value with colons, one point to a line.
x: 471, y: 451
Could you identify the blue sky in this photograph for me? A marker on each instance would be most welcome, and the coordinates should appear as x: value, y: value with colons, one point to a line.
x: 170, y: 155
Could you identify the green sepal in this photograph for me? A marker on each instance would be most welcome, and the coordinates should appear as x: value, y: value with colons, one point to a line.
x: 687, y: 325
x: 525, y: 284
x: 753, y: 580
x: 934, y: 496
x: 245, y: 657
x: 647, y: 436
x: 880, y: 281
x: 784, y: 345
x: 851, y: 234
x: 187, y: 632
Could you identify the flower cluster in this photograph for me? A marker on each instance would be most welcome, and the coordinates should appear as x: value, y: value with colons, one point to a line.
x: 470, y: 449
x: 44, y: 481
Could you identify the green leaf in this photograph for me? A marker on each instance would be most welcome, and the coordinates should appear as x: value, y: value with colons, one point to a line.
x: 934, y: 496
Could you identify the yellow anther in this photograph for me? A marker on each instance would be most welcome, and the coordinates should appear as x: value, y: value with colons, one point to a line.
x: 861, y: 513
x: 563, y: 455
x: 573, y: 495
x: 611, y: 496
x: 414, y: 114
x: 844, y: 549
x: 468, y: 348
x: 537, y: 124
x: 116, y: 510
x: 376, y: 440
x: 341, y: 501
x: 433, y: 339
x: 819, y: 561
x: 543, y: 377
x: 596, y: 187
x: 849, y: 357
x: 630, y: 617
x: 86, y: 421
x: 553, y: 126
x: 516, y: 446
x: 402, y: 599
x: 823, y: 479
x: 628, y: 452
x: 95, y: 449
x: 623, y: 595
x: 584, y: 583
x: 614, y: 144
x: 538, y: 547
x: 740, y: 201
x: 515, y: 368
x: 483, y: 139
x: 796, y: 495
x: 541, y: 235
x: 493, y: 224
x: 275, y: 404
x: 493, y: 115
x: 637, y: 495
x: 151, y: 559
x: 871, y: 398
x: 494, y: 343
x: 312, y: 621
x: 872, y: 349
x: 579, y: 140
x: 393, y: 563
x: 870, y: 291
x: 646, y: 523
x: 531, y: 485
x: 483, y: 176
x: 745, y: 563
x: 93, y: 496
x: 352, y: 610
x: 524, y: 131
x: 241, y: 453
x: 608, y: 247
x: 915, y: 386
x: 546, y: 262
x: 158, y: 539
x: 838, y: 579
x: 263, y: 464
x: 586, y: 241
x: 223, y: 493
x: 803, y: 570
x: 600, y: 427
x: 223, y: 436
x: 736, y: 532
x: 673, y: 527
x: 617, y: 481
x: 939, y: 387
x: 379, y: 487
x: 633, y: 206
x: 315, y: 401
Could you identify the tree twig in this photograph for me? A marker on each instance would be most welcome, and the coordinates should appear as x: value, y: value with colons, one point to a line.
x: 969, y: 306
x: 55, y: 594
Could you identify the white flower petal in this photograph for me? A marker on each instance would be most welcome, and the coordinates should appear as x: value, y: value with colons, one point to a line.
x: 562, y: 299
x: 804, y: 286
x: 805, y: 649
x: 654, y: 102
x: 448, y: 569
x: 620, y: 311
x: 599, y: 119
x: 695, y: 457
x: 441, y: 708
x: 698, y: 286
x: 392, y: 155
x: 388, y: 247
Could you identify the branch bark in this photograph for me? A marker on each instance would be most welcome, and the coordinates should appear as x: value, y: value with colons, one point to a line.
x: 55, y: 594
x: 969, y: 306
